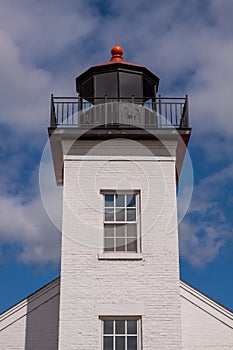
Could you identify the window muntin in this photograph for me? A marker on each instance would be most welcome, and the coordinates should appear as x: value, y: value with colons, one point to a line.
x: 121, y: 333
x: 121, y: 222
x: 120, y: 207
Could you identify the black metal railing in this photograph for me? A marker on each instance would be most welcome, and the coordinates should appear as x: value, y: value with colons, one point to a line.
x: 105, y: 111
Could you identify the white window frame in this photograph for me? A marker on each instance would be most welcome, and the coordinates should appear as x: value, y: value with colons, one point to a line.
x: 126, y: 335
x: 134, y: 254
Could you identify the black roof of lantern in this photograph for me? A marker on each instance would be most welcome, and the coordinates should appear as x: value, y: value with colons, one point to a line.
x: 117, y: 79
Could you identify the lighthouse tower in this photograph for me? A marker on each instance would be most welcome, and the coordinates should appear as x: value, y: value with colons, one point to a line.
x: 117, y: 150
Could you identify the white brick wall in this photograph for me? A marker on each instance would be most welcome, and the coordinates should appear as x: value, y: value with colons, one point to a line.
x: 87, y: 283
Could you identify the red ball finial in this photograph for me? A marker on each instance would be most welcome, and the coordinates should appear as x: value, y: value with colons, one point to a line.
x: 117, y: 53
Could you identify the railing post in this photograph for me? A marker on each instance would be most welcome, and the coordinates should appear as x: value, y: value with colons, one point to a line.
x: 186, y: 112
x: 160, y: 107
x: 133, y: 118
x: 160, y: 111
x: 79, y: 109
x: 184, y: 122
x: 52, y: 112
x: 153, y: 104
x: 106, y: 110
x: 67, y: 112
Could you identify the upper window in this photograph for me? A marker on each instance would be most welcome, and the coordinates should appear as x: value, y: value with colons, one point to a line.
x: 121, y: 232
x: 121, y: 333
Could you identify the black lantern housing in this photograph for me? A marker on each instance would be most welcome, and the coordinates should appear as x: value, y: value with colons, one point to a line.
x: 117, y: 81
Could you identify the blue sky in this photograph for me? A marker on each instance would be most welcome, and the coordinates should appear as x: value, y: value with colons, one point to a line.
x: 44, y: 46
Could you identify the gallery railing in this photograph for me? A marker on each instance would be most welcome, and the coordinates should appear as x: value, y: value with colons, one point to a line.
x: 92, y: 112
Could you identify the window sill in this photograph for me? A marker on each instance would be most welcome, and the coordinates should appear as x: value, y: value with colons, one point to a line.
x: 120, y: 256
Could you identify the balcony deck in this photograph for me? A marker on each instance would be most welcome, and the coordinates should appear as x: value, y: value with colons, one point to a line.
x: 107, y: 112
x: 75, y: 118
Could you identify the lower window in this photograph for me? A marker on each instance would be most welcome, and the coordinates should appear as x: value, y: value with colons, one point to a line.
x: 121, y: 333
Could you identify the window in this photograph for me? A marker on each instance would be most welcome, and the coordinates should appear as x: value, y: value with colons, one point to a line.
x: 121, y: 333
x: 121, y: 227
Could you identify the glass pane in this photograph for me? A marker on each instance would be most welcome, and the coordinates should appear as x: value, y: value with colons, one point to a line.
x: 131, y: 343
x: 109, y: 230
x: 131, y: 214
x: 120, y: 215
x: 120, y: 343
x: 120, y: 200
x: 131, y: 245
x: 120, y: 244
x: 120, y: 230
x: 108, y: 244
x: 120, y: 327
x: 132, y: 230
x: 108, y: 327
x: 132, y: 327
x: 131, y: 200
x: 109, y: 215
x: 108, y: 343
x: 109, y: 200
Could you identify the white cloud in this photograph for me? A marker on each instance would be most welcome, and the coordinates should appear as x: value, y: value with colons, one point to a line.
x: 25, y: 223
x: 206, y: 228
x: 200, y: 244
x: 45, y: 28
x: 30, y: 230
x: 22, y: 89
x: 32, y: 33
